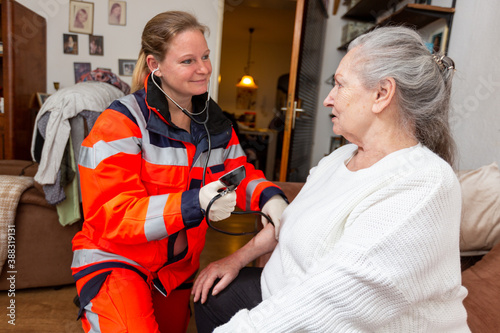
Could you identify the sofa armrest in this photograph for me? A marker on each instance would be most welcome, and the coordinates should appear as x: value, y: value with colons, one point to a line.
x: 43, y: 246
x: 483, y: 300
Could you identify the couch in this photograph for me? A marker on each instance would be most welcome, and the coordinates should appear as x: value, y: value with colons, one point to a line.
x: 43, y: 246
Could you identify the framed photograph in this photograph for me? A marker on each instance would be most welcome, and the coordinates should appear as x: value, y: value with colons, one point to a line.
x: 81, y: 69
x: 81, y: 17
x: 117, y: 12
x: 438, y: 39
x: 42, y: 97
x: 126, y: 67
x: 96, y: 45
x: 246, y: 99
x: 70, y: 44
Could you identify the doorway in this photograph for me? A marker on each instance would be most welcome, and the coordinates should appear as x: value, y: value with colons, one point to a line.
x: 271, y: 47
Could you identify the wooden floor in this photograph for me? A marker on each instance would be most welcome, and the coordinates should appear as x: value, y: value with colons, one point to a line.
x: 52, y: 310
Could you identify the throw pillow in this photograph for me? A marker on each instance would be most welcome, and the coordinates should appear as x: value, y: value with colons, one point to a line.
x: 480, y: 225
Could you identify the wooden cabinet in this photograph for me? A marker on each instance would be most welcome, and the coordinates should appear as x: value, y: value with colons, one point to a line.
x: 410, y: 14
x: 23, y: 74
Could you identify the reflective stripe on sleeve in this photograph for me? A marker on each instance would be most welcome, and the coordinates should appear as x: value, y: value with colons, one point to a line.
x: 250, y: 189
x: 235, y: 151
x: 90, y: 157
x: 154, y: 227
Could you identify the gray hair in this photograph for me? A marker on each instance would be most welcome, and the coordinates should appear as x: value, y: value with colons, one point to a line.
x: 423, y: 82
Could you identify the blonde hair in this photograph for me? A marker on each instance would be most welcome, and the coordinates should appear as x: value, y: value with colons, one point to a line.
x: 156, y: 39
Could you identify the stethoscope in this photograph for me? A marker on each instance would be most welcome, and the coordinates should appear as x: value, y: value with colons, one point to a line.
x: 192, y: 115
x: 204, y: 123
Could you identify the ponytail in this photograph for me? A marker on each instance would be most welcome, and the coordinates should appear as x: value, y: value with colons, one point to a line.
x: 141, y: 70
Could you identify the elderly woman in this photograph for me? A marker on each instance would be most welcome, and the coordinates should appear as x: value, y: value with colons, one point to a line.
x: 371, y: 243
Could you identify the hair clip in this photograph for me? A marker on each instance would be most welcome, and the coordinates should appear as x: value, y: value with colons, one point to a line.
x: 447, y: 64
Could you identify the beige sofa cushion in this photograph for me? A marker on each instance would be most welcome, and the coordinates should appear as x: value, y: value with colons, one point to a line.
x: 480, y: 226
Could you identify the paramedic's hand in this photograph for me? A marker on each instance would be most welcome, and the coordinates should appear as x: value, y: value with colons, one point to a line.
x: 273, y: 208
x: 221, y: 209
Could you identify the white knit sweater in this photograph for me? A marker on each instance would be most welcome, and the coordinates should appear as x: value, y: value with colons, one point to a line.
x: 376, y: 250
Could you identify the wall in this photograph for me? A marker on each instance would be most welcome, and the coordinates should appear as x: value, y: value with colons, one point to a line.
x: 120, y: 42
x: 475, y: 98
x: 331, y: 60
x: 476, y: 91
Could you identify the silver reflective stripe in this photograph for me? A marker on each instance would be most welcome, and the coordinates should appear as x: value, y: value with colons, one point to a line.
x: 93, y: 319
x: 251, y: 188
x: 131, y: 103
x: 154, y: 227
x: 90, y: 157
x: 85, y: 257
x: 216, y: 158
x: 165, y: 156
x: 235, y: 151
x: 151, y: 153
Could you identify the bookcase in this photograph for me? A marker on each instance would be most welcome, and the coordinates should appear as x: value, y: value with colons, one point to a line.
x: 391, y: 12
x: 22, y: 74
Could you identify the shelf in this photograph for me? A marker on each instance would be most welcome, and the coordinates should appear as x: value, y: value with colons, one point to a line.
x: 369, y: 10
x: 418, y: 16
x: 413, y: 15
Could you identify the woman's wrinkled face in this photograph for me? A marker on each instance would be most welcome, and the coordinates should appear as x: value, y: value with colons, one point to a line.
x: 350, y: 101
x: 186, y: 68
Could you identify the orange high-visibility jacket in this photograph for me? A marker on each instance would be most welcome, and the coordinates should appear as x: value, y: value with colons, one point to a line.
x: 140, y: 178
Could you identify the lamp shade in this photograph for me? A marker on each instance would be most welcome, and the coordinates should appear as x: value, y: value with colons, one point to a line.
x: 247, y: 82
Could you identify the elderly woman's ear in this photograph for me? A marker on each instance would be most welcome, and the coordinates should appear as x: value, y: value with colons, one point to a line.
x: 385, y: 94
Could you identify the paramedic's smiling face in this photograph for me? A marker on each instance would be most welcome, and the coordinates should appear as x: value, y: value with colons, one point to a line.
x: 349, y: 100
x: 186, y: 67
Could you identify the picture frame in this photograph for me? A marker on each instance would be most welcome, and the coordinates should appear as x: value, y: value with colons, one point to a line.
x: 96, y: 45
x: 117, y: 12
x: 81, y: 69
x: 246, y: 99
x: 70, y: 44
x: 126, y: 67
x: 41, y: 97
x: 81, y: 17
x: 438, y: 40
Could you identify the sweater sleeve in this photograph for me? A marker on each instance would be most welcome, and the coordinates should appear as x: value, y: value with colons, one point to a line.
x: 398, y: 249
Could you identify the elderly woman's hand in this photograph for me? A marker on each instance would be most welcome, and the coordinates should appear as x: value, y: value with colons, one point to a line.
x: 225, y: 269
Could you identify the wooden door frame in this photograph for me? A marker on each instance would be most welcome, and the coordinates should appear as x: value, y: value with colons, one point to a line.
x: 290, y: 109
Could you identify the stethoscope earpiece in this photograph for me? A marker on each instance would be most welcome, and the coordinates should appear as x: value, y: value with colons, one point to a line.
x: 154, y: 70
x: 189, y: 114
